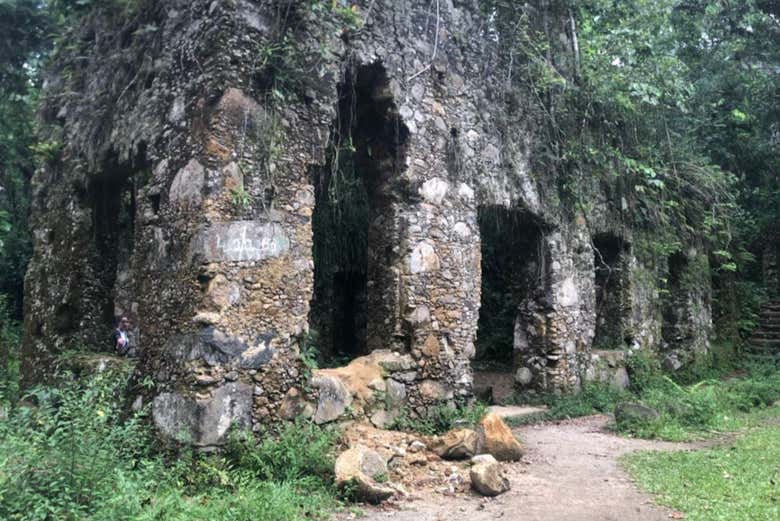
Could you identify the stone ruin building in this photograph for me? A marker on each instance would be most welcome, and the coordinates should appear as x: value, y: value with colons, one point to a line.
x: 259, y: 183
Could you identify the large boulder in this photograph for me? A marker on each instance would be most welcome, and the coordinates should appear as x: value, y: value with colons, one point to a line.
x: 455, y: 444
x: 334, y: 398
x: 204, y: 422
x: 363, y: 472
x: 494, y: 437
x: 487, y: 477
x: 630, y: 412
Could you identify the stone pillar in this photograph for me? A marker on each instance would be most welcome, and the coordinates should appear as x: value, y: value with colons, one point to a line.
x: 442, y: 284
x: 245, y: 246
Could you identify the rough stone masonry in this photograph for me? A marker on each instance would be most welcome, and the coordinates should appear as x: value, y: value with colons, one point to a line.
x: 201, y: 140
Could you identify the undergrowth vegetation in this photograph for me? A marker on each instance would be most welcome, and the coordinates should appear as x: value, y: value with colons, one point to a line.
x: 716, y: 395
x: 70, y: 453
x: 441, y: 418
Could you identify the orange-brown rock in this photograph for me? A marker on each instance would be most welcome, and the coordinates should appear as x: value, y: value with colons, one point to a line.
x: 431, y: 347
x: 455, y: 444
x: 494, y: 437
x: 359, y: 469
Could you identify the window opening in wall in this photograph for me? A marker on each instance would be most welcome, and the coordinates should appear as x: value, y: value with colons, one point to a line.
x: 610, y: 278
x: 512, y: 280
x: 352, y: 309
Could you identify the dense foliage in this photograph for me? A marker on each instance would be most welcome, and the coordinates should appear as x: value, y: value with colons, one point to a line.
x: 671, y: 106
x: 75, y: 455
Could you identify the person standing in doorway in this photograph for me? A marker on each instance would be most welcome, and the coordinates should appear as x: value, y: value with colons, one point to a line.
x: 121, y: 336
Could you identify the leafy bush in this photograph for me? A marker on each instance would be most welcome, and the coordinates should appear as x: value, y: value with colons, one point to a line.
x: 595, y: 397
x: 441, y: 418
x: 72, y: 456
x: 707, y: 406
x: 300, y: 451
x: 644, y: 370
x: 717, y: 401
x: 761, y: 389
x: 68, y: 455
x: 10, y: 344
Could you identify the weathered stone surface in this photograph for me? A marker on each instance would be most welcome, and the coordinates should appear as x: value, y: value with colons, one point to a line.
x: 416, y: 446
x: 203, y: 422
x: 524, y: 376
x: 239, y: 241
x: 629, y: 412
x: 222, y: 292
x: 434, y: 190
x: 382, y: 418
x: 424, y: 259
x: 671, y: 362
x: 334, y: 398
x: 396, y: 393
x: 392, y: 361
x: 431, y: 347
x: 487, y: 477
x: 256, y: 356
x: 455, y: 444
x: 419, y: 316
x: 359, y: 468
x: 620, y: 378
x: 294, y: 405
x: 432, y: 390
x: 176, y: 417
x: 187, y: 186
x: 217, y: 348
x: 494, y: 437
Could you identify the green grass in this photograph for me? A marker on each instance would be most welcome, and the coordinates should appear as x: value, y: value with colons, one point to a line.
x: 740, y: 482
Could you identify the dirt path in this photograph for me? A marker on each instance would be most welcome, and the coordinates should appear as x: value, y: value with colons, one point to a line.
x: 570, y: 473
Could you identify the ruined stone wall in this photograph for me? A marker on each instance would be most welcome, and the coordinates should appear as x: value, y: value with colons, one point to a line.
x: 217, y: 116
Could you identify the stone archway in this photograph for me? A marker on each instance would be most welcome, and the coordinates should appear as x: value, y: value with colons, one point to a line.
x: 354, y: 308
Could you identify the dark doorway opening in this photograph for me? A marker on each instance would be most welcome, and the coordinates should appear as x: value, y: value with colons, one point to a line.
x: 675, y: 306
x: 111, y: 196
x: 354, y: 221
x: 512, y: 280
x: 611, y: 286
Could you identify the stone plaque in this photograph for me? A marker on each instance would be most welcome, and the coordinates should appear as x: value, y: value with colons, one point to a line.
x: 240, y: 241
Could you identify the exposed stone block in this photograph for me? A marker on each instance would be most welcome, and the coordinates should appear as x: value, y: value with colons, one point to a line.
x: 487, y: 477
x: 203, y: 422
x: 359, y: 468
x: 424, y: 259
x: 334, y: 398
x: 188, y: 184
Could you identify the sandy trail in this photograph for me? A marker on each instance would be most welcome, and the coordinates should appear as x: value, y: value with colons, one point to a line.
x: 570, y: 473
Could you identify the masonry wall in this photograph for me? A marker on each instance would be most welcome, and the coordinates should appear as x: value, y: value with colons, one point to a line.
x: 218, y: 141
